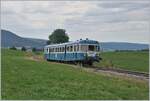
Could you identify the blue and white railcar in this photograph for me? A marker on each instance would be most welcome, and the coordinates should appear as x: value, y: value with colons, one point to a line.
x: 84, y: 51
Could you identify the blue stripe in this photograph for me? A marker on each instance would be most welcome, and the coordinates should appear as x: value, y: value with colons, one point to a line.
x: 62, y: 57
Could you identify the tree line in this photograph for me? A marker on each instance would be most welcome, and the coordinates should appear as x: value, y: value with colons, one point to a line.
x: 57, y: 36
x: 23, y: 48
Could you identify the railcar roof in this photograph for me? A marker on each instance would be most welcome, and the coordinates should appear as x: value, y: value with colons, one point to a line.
x: 75, y: 42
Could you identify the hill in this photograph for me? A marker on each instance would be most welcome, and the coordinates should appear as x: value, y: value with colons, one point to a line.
x: 9, y: 39
x: 42, y: 80
x: 111, y: 46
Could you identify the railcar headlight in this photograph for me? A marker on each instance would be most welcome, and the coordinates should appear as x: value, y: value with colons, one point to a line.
x: 98, y: 54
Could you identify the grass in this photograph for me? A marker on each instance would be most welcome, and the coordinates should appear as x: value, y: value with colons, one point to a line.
x: 24, y: 79
x: 136, y: 61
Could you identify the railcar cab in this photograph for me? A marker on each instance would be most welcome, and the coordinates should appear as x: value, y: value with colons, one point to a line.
x: 91, y: 49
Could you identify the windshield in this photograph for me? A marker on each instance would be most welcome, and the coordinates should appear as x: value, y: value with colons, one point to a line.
x: 89, y: 48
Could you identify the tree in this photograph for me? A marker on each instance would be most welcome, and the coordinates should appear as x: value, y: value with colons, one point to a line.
x: 13, y: 48
x: 58, y: 36
x: 23, y: 48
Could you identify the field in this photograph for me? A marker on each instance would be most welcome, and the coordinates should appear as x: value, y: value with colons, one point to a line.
x: 23, y: 78
x: 135, y: 61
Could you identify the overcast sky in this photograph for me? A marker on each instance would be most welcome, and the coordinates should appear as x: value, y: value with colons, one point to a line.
x: 125, y: 21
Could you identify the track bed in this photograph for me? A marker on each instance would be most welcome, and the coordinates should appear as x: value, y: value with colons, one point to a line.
x: 136, y: 74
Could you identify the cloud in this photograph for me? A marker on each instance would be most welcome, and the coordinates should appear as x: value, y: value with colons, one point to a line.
x: 100, y: 20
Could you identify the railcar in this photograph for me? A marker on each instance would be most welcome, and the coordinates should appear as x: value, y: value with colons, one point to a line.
x: 80, y: 51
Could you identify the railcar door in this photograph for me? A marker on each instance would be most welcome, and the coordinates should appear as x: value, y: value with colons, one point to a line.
x: 49, y: 55
x: 65, y: 52
x: 76, y: 52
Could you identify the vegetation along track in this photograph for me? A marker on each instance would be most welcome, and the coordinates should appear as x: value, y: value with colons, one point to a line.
x: 114, y: 70
x: 122, y: 71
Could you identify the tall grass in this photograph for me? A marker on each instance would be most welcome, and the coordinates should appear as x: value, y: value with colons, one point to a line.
x: 24, y: 79
x: 136, y: 61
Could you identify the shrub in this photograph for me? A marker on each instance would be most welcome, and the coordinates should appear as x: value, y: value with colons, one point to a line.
x: 23, y: 49
x: 13, y: 48
x: 33, y: 49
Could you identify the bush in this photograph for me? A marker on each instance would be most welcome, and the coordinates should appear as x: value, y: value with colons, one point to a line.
x: 33, y: 49
x: 23, y: 49
x: 13, y: 48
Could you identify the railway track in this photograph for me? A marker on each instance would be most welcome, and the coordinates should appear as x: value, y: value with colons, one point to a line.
x: 122, y: 71
x: 140, y: 75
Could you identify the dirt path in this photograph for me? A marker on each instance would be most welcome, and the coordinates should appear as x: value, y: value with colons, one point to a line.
x: 35, y: 57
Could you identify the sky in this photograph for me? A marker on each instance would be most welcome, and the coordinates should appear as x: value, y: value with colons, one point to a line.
x: 104, y: 21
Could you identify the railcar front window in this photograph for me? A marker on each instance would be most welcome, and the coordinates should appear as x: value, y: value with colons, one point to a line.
x: 91, y: 48
x: 84, y: 48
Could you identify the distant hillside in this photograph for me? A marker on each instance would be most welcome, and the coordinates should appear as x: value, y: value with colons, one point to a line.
x: 111, y: 46
x: 9, y: 39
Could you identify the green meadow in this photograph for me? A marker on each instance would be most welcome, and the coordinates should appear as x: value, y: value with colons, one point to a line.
x: 23, y: 78
x: 135, y: 61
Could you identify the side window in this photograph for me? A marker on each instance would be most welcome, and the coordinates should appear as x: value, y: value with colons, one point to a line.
x: 60, y: 49
x: 71, y: 48
x: 75, y: 48
x: 63, y: 49
x: 67, y: 48
x: 54, y: 49
x: 47, y: 50
x: 57, y: 49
